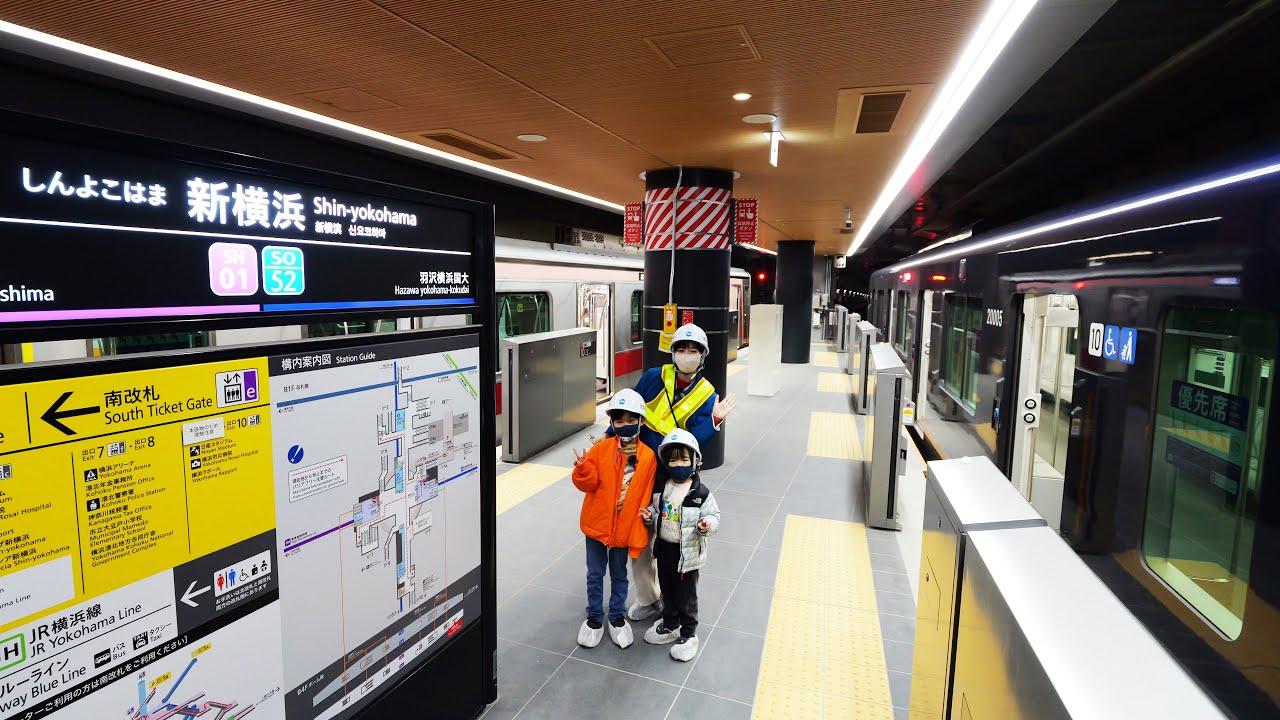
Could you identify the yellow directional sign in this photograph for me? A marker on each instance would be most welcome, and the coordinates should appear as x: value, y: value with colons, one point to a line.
x: 129, y: 474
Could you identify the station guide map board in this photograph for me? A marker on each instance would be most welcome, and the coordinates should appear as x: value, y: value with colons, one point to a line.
x: 268, y: 532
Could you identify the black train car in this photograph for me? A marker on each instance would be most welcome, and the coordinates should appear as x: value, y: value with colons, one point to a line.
x: 1115, y: 362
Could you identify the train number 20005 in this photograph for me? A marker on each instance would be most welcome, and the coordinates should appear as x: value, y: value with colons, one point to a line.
x: 995, y: 317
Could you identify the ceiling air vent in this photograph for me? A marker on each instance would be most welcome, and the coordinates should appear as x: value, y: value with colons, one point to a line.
x: 729, y: 43
x: 878, y: 112
x: 452, y: 140
x: 350, y: 99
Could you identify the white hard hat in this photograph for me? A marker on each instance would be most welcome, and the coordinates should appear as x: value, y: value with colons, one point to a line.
x: 681, y: 437
x: 628, y: 400
x: 690, y: 333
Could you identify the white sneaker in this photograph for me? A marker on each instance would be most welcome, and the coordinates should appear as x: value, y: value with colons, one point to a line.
x: 621, y: 635
x: 638, y: 612
x: 685, y: 649
x: 659, y: 635
x: 588, y: 636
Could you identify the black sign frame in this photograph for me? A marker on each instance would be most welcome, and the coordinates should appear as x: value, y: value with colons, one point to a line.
x: 72, y: 135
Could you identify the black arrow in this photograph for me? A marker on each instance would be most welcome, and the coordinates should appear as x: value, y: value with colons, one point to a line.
x: 54, y: 415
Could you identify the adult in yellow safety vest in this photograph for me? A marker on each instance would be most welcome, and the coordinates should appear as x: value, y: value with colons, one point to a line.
x: 676, y: 396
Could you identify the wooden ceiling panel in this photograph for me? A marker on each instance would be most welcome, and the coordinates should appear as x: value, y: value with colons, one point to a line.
x: 589, y: 76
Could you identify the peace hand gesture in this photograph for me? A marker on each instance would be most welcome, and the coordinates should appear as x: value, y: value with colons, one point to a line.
x: 579, y: 457
x: 723, y: 407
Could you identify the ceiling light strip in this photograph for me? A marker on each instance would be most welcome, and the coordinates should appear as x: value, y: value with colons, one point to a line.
x: 994, y: 30
x: 207, y: 86
x: 1173, y: 194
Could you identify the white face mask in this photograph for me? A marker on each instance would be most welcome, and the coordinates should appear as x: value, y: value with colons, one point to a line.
x: 688, y: 363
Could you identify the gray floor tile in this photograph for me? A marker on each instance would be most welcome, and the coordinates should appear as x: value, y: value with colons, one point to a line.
x: 898, y: 656
x: 878, y: 534
x: 503, y: 467
x: 734, y: 502
x: 749, y: 480
x: 900, y: 688
x: 569, y: 575
x: 507, y: 587
x: 521, y: 671
x: 693, y: 705
x: 844, y: 490
x: 729, y: 560
x: 901, y: 714
x: 897, y: 628
x: 773, y: 536
x: 888, y: 563
x: 746, y: 529
x: 583, y: 690
x: 650, y: 661
x: 880, y: 546
x: 847, y: 509
x: 728, y: 665
x: 559, y: 494
x: 543, y: 619
x: 713, y: 595
x: 893, y: 603
x: 813, y: 467
x: 763, y: 568
x: 748, y: 609
x: 891, y: 582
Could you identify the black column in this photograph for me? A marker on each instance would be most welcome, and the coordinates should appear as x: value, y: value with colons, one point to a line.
x: 795, y: 295
x: 700, y: 285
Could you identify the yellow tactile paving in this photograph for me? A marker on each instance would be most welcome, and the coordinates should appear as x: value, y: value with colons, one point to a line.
x: 835, y: 383
x: 825, y: 358
x: 823, y: 656
x: 517, y: 485
x: 834, y: 435
x: 734, y: 370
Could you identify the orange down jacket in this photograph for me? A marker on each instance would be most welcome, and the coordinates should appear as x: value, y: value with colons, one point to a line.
x: 600, y: 477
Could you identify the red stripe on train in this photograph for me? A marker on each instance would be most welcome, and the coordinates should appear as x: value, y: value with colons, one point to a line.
x: 627, y: 362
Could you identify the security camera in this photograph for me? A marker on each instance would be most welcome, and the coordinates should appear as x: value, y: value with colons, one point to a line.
x: 848, y: 218
x: 848, y: 224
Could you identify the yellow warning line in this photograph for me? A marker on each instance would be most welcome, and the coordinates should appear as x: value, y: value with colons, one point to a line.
x: 825, y: 359
x: 834, y: 435
x: 516, y: 486
x: 734, y: 370
x: 823, y: 654
x: 835, y: 383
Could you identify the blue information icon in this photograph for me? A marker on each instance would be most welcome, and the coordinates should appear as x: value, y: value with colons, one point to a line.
x: 1111, y: 342
x: 1128, y: 345
x: 282, y: 272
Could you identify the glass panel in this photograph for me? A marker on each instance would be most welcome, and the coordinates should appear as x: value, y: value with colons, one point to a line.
x: 974, y: 313
x: 637, y: 303
x: 130, y: 344
x: 1057, y: 373
x: 350, y: 327
x: 1207, y: 457
x: 522, y: 314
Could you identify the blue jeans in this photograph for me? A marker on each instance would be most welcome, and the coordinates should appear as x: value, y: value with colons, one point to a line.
x: 600, y: 557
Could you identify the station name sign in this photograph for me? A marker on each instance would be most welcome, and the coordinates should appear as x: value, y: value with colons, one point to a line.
x: 93, y: 234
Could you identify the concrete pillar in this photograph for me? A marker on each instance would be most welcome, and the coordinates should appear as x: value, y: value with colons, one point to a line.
x: 795, y: 295
x: 692, y: 229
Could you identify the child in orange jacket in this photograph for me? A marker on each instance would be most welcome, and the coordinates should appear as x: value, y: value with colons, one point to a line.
x: 617, y: 476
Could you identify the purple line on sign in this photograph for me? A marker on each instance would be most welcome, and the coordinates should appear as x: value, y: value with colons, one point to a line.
x: 106, y: 313
x: 288, y: 547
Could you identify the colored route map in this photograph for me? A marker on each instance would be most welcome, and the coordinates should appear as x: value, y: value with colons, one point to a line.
x: 377, y: 518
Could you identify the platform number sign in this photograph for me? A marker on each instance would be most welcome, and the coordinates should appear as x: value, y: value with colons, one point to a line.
x: 1095, y: 339
x: 282, y: 272
x: 1112, y: 342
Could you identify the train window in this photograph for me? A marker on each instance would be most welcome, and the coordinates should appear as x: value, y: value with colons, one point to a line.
x: 900, y: 321
x: 522, y: 313
x: 129, y: 344
x: 637, y: 304
x: 1206, y: 457
x: 960, y: 361
x: 349, y: 327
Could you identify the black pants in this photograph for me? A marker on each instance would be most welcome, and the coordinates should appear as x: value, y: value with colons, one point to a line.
x: 679, y: 590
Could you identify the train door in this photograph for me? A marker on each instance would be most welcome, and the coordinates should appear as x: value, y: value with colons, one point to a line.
x: 1050, y: 328
x: 595, y: 307
x: 923, y: 347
